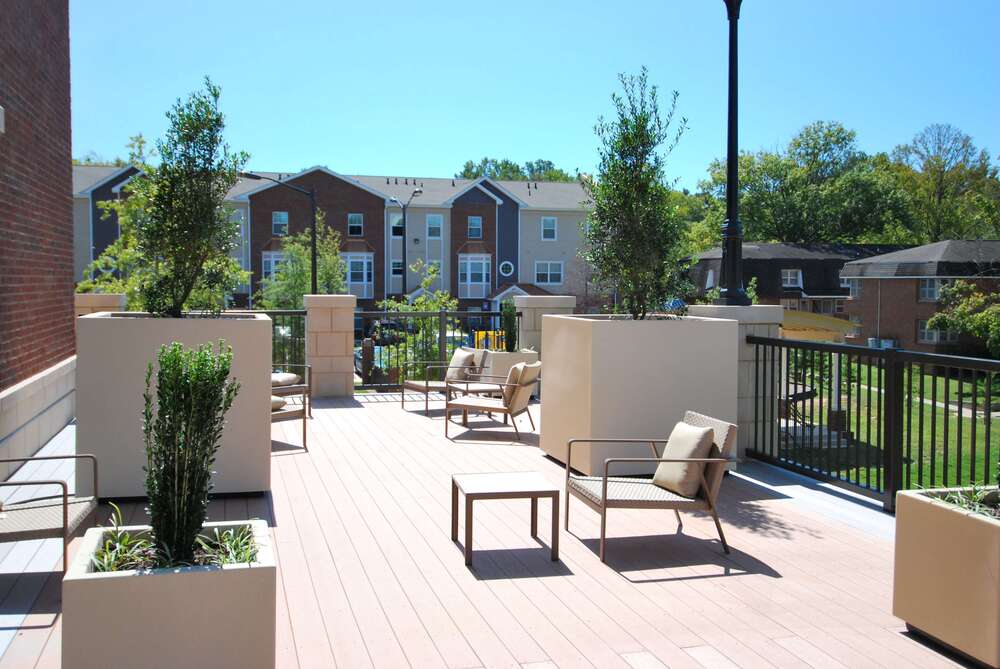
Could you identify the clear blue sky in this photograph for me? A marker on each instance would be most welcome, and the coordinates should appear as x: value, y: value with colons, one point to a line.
x: 416, y: 88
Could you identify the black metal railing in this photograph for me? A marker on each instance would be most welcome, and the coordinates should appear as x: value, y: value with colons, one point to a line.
x: 388, y: 343
x: 288, y: 336
x: 875, y: 420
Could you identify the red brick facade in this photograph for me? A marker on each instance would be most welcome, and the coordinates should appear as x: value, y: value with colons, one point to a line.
x: 891, y: 309
x: 36, y: 202
x: 337, y: 198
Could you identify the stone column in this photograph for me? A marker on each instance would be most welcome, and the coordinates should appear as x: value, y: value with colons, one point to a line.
x: 91, y: 303
x: 330, y: 344
x: 532, y: 308
x: 761, y: 320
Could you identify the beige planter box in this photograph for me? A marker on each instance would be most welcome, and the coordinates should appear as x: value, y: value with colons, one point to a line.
x: 611, y: 377
x: 180, y: 617
x: 112, y: 353
x: 946, y: 582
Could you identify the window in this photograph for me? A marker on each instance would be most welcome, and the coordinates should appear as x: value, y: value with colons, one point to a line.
x: 360, y: 274
x: 475, y: 227
x: 549, y: 224
x: 926, y: 335
x: 434, y: 224
x: 548, y: 272
x: 791, y: 278
x: 355, y: 225
x: 853, y: 287
x: 473, y: 276
x: 395, y: 225
x: 397, y: 268
x: 506, y: 268
x: 270, y: 260
x: 710, y: 280
x: 279, y: 223
x: 930, y: 289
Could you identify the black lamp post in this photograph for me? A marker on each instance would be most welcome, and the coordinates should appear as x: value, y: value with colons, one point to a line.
x: 311, y: 194
x: 395, y: 200
x: 731, y: 285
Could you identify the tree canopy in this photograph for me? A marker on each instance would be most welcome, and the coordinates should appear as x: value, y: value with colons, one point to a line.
x: 507, y: 170
x: 293, y: 277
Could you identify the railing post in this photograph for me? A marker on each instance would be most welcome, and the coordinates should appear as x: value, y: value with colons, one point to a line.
x: 892, y: 429
x: 442, y: 335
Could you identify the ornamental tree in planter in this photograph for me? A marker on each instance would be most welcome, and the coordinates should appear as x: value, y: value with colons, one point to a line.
x: 173, y: 587
x: 634, y: 374
x: 174, y: 254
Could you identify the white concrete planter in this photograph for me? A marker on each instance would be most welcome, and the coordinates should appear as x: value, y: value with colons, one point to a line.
x: 180, y: 617
x: 946, y: 581
x: 611, y: 377
x: 112, y: 353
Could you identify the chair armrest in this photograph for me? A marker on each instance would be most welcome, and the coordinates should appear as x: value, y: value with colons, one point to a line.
x: 608, y: 461
x: 36, y: 458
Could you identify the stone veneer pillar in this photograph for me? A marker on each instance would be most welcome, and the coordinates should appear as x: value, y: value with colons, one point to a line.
x: 330, y: 344
x: 532, y: 308
x: 91, y: 303
x: 761, y: 320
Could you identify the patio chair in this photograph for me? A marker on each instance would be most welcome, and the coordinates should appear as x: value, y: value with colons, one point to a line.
x: 615, y: 492
x: 460, y: 368
x: 288, y: 385
x: 48, y: 516
x: 514, y: 395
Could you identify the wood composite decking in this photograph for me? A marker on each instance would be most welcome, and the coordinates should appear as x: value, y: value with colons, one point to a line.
x: 370, y: 577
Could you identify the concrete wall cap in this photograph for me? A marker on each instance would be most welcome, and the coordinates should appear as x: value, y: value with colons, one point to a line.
x: 756, y: 313
x: 330, y: 301
x: 545, y: 301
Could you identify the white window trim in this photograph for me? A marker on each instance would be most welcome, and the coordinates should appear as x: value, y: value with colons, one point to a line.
x: 270, y: 257
x: 393, y: 267
x: 465, y: 291
x: 355, y: 213
x: 548, y: 272
x: 366, y: 289
x: 393, y: 216
x: 798, y: 272
x: 440, y: 225
x: 938, y: 284
x: 287, y: 224
x: 500, y: 269
x: 555, y: 228
x: 468, y: 229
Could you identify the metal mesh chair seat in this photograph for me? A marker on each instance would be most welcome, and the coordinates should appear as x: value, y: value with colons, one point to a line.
x: 42, y: 518
x: 625, y: 489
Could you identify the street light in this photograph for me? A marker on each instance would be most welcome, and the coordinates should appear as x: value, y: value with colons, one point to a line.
x: 395, y: 200
x: 311, y: 194
x: 731, y: 285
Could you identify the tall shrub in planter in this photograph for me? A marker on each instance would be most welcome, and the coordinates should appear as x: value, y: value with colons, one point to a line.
x: 508, y: 320
x: 633, y: 235
x: 182, y: 433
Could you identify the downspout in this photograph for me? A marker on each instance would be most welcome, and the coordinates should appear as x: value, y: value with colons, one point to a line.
x: 878, y: 310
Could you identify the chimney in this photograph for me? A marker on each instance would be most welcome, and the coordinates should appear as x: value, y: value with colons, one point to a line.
x: 387, y: 181
x: 396, y: 179
x: 452, y: 183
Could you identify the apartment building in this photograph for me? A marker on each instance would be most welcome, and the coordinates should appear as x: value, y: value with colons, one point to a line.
x: 894, y: 295
x: 491, y: 239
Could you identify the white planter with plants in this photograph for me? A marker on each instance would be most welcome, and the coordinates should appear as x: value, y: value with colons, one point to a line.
x: 633, y: 374
x: 179, y: 592
x: 946, y: 581
x: 173, y: 263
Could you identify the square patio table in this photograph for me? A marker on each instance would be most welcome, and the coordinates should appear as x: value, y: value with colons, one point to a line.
x: 503, y: 485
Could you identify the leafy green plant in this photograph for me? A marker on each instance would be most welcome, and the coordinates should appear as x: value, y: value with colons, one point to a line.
x: 977, y: 499
x: 508, y: 322
x: 122, y: 550
x: 292, y: 279
x: 182, y: 427
x: 633, y: 234
x: 230, y: 546
x: 421, y: 341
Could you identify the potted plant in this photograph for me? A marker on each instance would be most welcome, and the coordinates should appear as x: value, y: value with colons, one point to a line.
x: 180, y: 591
x: 946, y: 582
x: 633, y: 373
x: 173, y: 263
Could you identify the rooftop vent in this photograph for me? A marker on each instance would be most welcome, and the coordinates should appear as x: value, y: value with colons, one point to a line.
x: 396, y: 179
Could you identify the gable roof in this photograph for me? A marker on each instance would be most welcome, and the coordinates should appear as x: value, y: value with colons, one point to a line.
x: 263, y: 185
x: 949, y: 258
x: 88, y: 177
x: 788, y: 251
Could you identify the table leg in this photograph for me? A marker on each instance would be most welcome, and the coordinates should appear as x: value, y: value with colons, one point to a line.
x: 555, y: 527
x: 468, y: 531
x: 454, y: 511
x: 534, y: 517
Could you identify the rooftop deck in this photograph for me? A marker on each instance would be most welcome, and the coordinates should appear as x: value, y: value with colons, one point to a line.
x: 368, y: 574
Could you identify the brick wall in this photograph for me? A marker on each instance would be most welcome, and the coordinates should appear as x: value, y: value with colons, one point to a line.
x: 36, y: 206
x: 336, y: 198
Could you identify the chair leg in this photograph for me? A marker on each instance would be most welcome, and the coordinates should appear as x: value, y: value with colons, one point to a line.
x: 427, y: 404
x: 514, y: 423
x: 680, y: 523
x: 65, y: 552
x: 567, y: 511
x: 604, y: 524
x: 530, y: 420
x: 447, y: 419
x: 722, y: 537
x: 305, y: 443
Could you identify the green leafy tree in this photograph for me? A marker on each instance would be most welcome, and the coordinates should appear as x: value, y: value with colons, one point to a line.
x: 420, y: 342
x: 293, y: 277
x: 504, y: 169
x: 953, y: 184
x: 633, y: 234
x: 969, y: 310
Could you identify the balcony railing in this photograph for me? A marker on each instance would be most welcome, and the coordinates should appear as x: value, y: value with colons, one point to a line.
x: 875, y: 420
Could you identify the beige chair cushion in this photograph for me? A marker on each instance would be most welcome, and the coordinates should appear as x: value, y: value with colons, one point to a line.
x: 513, y: 378
x: 284, y: 379
x: 461, y: 362
x: 686, y: 441
x: 277, y: 403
